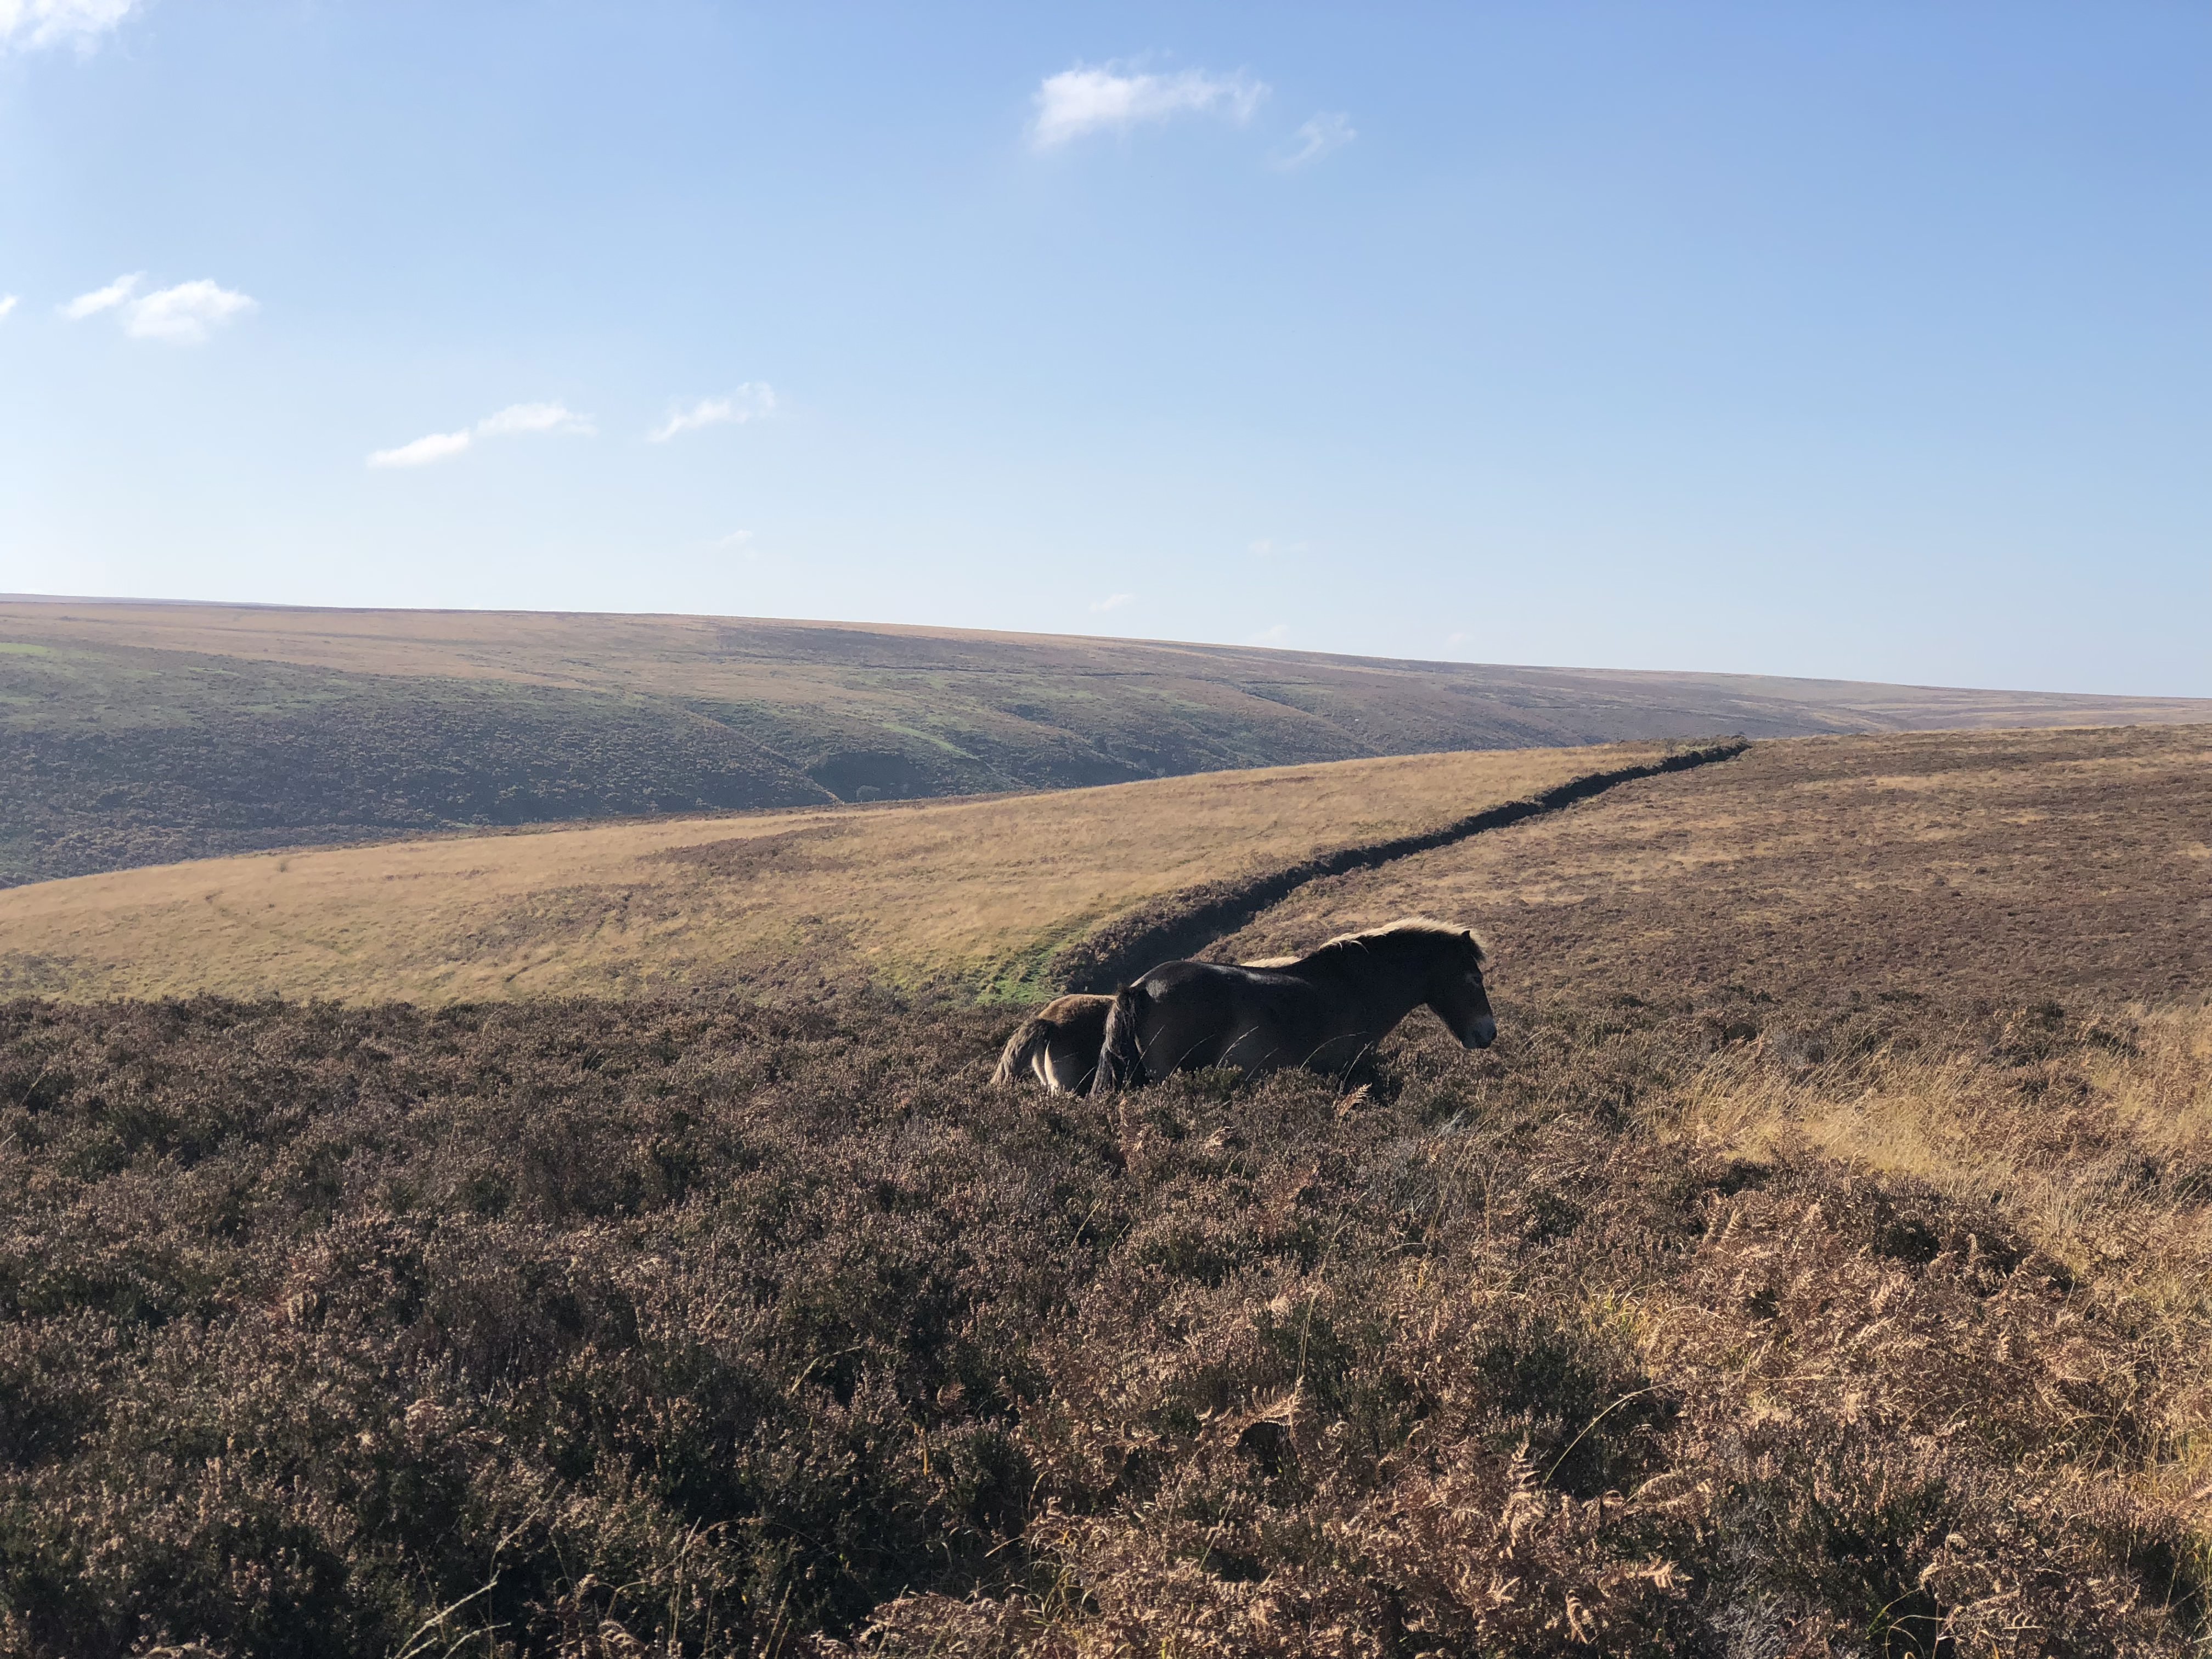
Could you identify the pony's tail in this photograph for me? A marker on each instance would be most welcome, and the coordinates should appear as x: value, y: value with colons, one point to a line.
x: 1018, y: 1059
x: 1120, y: 1058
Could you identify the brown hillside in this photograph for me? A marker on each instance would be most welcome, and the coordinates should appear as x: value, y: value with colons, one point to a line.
x: 862, y: 669
x: 2055, y: 865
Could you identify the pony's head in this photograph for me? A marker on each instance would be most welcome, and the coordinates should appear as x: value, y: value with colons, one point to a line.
x: 1459, y: 996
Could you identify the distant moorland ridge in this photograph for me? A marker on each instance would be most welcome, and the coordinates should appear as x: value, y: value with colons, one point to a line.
x: 137, y: 733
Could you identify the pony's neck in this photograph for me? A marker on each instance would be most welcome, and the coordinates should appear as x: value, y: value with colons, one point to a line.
x: 1379, y: 987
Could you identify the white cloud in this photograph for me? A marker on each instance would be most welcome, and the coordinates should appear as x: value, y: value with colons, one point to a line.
x: 735, y: 539
x: 183, y: 315
x: 534, y: 417
x: 1083, y: 100
x: 1276, y: 635
x: 1331, y: 130
x: 1458, y: 636
x: 44, y: 22
x: 514, y: 421
x: 7, y: 305
x: 1112, y: 602
x: 1268, y: 549
x: 102, y: 299
x: 749, y: 402
x: 437, y: 447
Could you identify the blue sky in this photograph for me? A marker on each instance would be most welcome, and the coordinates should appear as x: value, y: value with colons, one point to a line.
x: 1867, y: 339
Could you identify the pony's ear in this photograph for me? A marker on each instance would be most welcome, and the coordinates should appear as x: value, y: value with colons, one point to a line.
x: 1474, y: 943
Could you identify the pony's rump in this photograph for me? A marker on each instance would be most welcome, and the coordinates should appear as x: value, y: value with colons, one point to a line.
x: 1057, y: 1045
x: 1024, y: 1049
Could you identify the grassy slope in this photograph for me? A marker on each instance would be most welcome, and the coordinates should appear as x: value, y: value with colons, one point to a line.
x: 1836, y: 871
x: 156, y: 731
x: 1816, y: 1264
x: 973, y: 892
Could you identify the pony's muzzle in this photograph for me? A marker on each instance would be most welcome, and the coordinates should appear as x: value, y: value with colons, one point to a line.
x: 1482, y: 1033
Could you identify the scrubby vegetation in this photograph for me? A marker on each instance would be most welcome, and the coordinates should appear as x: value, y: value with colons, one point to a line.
x: 610, y: 1329
x: 2002, y: 865
x: 134, y: 757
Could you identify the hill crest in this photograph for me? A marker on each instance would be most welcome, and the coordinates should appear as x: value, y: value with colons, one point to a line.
x: 148, y: 733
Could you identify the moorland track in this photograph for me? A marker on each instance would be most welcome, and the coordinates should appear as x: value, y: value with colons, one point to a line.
x: 1183, y: 923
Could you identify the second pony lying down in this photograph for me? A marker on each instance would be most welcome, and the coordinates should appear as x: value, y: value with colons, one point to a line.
x: 1324, y: 1010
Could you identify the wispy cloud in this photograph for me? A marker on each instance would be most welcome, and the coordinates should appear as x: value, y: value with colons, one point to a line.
x: 435, y: 447
x: 1278, y: 635
x: 1086, y: 100
x: 534, y: 417
x: 102, y: 299
x: 513, y: 421
x: 7, y: 304
x: 749, y: 402
x: 1331, y: 130
x: 183, y: 315
x: 48, y: 22
x: 1266, y: 547
x: 1112, y: 602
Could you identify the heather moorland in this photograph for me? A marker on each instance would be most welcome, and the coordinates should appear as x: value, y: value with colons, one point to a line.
x: 1810, y: 1267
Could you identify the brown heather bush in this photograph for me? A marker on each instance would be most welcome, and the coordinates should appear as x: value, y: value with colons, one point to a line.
x: 596, y: 1330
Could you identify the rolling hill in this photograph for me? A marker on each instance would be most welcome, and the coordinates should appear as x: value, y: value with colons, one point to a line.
x: 137, y: 733
x: 1954, y: 865
x: 977, y: 895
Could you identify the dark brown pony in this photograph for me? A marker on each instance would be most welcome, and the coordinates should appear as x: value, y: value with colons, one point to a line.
x: 1325, y: 1010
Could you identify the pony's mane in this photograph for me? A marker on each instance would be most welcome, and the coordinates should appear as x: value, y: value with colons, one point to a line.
x: 1420, y: 925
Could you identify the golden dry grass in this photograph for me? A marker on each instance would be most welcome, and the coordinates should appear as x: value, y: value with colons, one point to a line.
x: 976, y: 891
x: 2070, y: 1178
x: 2090, y: 1138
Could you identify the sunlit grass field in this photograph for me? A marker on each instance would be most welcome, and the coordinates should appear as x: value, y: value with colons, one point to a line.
x: 976, y: 893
